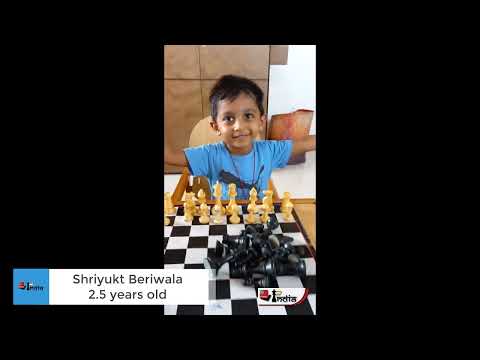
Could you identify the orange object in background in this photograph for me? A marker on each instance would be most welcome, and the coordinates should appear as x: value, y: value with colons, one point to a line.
x: 294, y: 125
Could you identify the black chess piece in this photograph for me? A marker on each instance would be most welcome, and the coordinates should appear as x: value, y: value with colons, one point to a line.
x: 250, y: 229
x: 266, y: 251
x: 259, y: 228
x: 272, y: 223
x: 216, y: 263
x: 238, y: 270
x: 264, y: 282
x: 219, y: 249
x: 274, y: 241
x: 284, y: 240
x: 291, y: 268
x: 266, y: 267
x: 257, y: 242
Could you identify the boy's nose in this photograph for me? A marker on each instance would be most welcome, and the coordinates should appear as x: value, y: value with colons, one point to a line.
x: 237, y: 125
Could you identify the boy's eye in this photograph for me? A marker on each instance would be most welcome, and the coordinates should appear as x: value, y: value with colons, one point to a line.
x: 249, y: 116
x: 228, y: 118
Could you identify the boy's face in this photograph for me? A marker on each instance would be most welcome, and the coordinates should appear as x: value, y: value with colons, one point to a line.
x: 238, y: 123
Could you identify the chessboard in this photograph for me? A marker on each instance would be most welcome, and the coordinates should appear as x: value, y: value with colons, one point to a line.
x: 186, y: 245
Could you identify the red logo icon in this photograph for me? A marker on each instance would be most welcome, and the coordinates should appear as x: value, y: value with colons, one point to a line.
x: 264, y: 295
x: 21, y: 285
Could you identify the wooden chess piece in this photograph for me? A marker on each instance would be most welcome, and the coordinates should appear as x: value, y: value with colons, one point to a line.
x: 287, y: 214
x: 253, y: 195
x: 264, y: 218
x: 269, y: 195
x: 287, y: 207
x: 217, y: 215
x: 285, y: 200
x: 169, y: 208
x: 252, y: 207
x: 201, y: 199
x: 250, y: 219
x: 189, y: 207
x: 235, y: 219
x: 204, y: 213
x: 218, y: 195
x: 166, y: 220
x: 232, y: 192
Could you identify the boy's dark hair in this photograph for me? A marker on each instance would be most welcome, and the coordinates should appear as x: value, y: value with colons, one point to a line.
x: 229, y: 87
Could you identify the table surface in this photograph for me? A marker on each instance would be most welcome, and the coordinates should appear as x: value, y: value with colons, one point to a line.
x: 306, y: 214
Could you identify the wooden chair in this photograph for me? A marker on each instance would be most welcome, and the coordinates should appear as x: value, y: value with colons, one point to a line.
x: 202, y: 134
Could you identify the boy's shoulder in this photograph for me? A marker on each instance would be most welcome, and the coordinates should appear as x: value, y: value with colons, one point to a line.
x: 211, y: 146
x: 271, y: 143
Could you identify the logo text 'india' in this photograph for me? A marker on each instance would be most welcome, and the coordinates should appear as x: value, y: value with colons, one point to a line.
x: 281, y: 296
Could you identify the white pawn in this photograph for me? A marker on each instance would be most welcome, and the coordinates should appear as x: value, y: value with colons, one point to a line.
x: 217, y: 215
x: 287, y: 211
x: 234, y: 219
x: 204, y: 212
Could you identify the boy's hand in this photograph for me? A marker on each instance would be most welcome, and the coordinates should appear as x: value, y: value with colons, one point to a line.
x: 174, y: 157
x: 301, y: 146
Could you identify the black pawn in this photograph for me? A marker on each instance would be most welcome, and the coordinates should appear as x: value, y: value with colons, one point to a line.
x: 272, y: 223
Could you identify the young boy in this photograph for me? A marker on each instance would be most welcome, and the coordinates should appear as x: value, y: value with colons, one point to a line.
x: 237, y: 118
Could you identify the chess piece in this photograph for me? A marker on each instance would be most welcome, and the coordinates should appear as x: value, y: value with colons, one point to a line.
x: 217, y: 215
x: 218, y: 195
x: 265, y: 268
x: 250, y: 219
x: 287, y: 213
x: 188, y: 217
x: 253, y: 195
x: 190, y: 202
x: 252, y: 207
x: 234, y: 219
x: 264, y: 218
x: 201, y: 199
x: 189, y: 207
x: 285, y: 200
x: 269, y: 195
x: 232, y: 192
x: 204, y: 213
x: 265, y: 282
x: 296, y: 267
x: 169, y: 208
x: 166, y: 220
x: 266, y: 209
x: 272, y: 223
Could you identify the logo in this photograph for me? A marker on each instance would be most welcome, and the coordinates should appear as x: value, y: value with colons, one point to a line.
x: 281, y: 296
x: 29, y: 286
x: 264, y: 295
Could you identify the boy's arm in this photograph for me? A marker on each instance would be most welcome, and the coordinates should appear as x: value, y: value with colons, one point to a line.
x: 301, y: 146
x: 174, y: 157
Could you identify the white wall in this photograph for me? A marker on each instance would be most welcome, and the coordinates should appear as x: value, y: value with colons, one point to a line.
x: 292, y: 86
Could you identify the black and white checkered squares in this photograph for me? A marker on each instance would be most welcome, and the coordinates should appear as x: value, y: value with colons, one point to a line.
x: 186, y: 245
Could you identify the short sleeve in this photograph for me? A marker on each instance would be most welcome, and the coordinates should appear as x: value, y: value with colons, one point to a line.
x: 281, y: 151
x: 198, y: 160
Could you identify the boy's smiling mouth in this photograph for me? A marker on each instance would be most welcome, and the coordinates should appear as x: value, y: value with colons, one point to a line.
x: 240, y: 136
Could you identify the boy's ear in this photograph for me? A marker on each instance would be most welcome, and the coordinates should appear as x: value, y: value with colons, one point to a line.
x: 214, y: 126
x: 263, y: 121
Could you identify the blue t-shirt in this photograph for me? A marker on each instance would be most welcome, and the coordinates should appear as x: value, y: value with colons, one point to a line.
x: 215, y: 162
